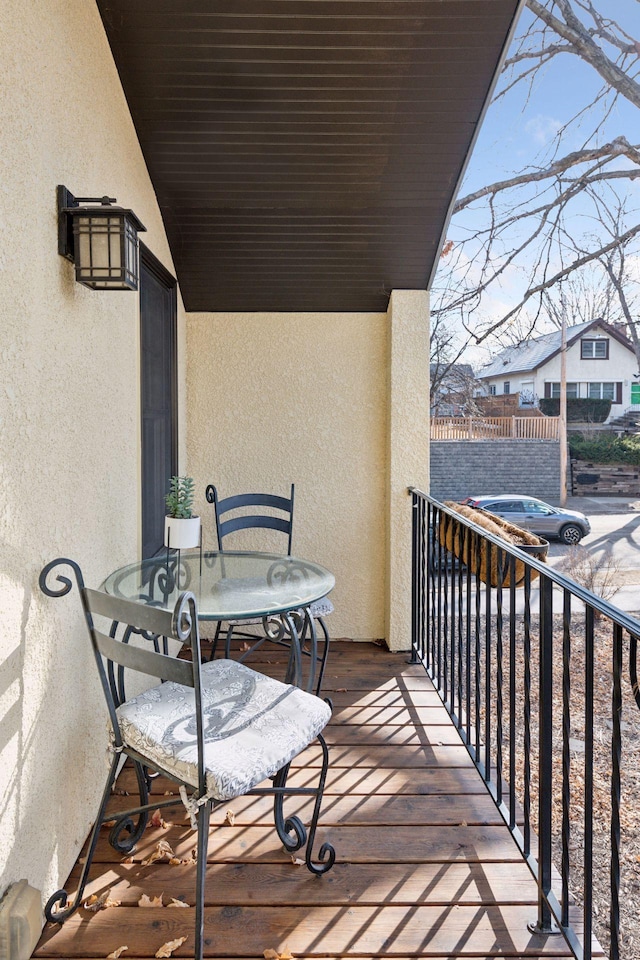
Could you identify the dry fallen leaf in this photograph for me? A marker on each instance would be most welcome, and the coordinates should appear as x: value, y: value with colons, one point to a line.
x: 177, y: 903
x: 167, y: 948
x: 127, y: 860
x: 245, y: 646
x: 109, y: 823
x: 146, y: 901
x: 116, y: 953
x: 175, y: 862
x: 274, y: 955
x: 95, y: 903
x: 296, y: 861
x: 230, y: 818
x: 156, y: 821
x: 341, y: 690
x: 162, y: 851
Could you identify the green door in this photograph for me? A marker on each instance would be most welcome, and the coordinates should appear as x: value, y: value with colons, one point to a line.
x: 635, y: 394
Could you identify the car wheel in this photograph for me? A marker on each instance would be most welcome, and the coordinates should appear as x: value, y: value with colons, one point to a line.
x: 571, y: 534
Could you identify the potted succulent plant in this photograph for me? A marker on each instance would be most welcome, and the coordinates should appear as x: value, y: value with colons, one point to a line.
x: 181, y: 527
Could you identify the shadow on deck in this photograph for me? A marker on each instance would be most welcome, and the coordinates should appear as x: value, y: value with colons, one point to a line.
x: 425, y: 865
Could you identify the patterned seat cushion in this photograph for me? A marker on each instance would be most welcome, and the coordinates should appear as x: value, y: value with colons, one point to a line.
x: 253, y: 726
x: 320, y: 608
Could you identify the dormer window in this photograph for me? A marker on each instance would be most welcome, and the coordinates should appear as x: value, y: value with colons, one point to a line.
x: 594, y: 349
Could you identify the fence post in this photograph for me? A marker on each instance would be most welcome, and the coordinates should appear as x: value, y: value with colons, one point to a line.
x: 513, y: 427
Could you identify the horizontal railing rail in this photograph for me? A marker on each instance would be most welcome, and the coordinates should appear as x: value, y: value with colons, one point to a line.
x: 540, y: 677
x: 495, y: 428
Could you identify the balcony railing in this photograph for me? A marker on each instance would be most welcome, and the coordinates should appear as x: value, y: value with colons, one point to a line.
x: 494, y: 428
x: 540, y: 677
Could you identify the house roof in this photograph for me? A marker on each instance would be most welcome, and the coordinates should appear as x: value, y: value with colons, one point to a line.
x: 531, y: 354
x: 305, y: 153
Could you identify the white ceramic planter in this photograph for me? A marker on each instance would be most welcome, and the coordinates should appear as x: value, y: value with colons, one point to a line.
x: 180, y: 534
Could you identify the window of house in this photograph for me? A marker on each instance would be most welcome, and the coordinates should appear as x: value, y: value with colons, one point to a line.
x: 506, y: 386
x: 602, y: 391
x: 594, y: 349
x: 572, y: 390
x: 492, y: 390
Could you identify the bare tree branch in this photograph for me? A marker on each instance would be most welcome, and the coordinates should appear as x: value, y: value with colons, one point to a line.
x: 620, y: 147
x: 565, y: 272
x: 583, y: 45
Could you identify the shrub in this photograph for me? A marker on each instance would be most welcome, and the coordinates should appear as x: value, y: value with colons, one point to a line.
x: 594, y: 411
x: 605, y: 448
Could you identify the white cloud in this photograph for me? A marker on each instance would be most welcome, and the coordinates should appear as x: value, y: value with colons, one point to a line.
x: 542, y: 129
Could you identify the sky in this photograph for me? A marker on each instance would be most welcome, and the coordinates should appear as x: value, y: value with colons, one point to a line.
x: 517, y: 133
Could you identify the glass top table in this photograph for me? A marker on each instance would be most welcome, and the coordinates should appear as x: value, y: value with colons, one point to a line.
x: 226, y: 585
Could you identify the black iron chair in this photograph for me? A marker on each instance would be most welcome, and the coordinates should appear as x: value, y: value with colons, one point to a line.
x: 217, y: 729
x: 243, y: 512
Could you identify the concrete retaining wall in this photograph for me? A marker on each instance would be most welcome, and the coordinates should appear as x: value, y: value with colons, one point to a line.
x: 464, y: 468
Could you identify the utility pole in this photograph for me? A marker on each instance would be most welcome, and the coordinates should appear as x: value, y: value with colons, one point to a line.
x: 563, y: 407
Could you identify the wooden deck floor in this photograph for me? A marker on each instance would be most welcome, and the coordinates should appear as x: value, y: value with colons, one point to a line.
x: 425, y: 867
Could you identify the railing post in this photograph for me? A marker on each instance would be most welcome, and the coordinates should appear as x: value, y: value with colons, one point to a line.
x: 545, y: 923
x: 513, y: 427
x: 415, y: 552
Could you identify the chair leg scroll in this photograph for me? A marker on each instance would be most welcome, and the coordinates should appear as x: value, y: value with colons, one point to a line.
x: 326, y: 854
x: 58, y: 908
x: 291, y: 830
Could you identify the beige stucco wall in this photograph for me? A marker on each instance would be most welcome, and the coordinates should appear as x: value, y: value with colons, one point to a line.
x: 276, y: 398
x: 408, y: 448
x: 69, y: 422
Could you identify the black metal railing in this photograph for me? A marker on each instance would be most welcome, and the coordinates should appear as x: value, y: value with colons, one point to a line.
x: 532, y: 672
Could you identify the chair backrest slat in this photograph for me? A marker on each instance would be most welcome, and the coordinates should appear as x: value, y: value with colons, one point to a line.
x: 145, y: 661
x: 142, y: 616
x: 283, y: 524
x: 254, y: 500
x: 246, y: 523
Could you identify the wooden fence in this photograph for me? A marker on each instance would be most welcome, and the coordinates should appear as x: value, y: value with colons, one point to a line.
x: 495, y: 428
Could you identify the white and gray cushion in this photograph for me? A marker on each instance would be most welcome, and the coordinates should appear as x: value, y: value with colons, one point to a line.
x: 319, y: 608
x: 253, y: 726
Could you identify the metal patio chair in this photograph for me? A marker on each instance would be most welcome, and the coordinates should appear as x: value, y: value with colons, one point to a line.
x: 217, y: 729
x: 245, y: 511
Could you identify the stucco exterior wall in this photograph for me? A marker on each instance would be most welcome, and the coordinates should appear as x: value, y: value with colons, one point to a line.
x: 69, y: 422
x: 276, y: 398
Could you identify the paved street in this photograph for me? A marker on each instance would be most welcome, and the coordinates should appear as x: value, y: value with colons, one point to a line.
x: 615, y: 531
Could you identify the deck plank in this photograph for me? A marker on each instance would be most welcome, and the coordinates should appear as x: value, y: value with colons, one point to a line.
x: 425, y: 866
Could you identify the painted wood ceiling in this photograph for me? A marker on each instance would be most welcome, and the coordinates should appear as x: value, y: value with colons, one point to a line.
x: 305, y: 153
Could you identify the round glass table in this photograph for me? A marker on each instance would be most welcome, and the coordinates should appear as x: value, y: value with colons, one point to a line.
x: 226, y: 585
x: 235, y: 586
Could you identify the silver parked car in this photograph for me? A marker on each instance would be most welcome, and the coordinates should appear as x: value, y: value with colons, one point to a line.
x: 536, y: 515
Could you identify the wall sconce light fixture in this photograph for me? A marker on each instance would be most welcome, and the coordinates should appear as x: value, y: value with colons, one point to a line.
x: 101, y: 240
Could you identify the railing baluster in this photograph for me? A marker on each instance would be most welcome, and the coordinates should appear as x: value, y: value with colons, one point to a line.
x: 616, y: 758
x: 527, y: 713
x: 512, y: 693
x: 478, y: 651
x: 487, y: 665
x: 566, y: 753
x: 499, y: 677
x: 587, y: 892
x: 545, y: 760
x: 468, y: 659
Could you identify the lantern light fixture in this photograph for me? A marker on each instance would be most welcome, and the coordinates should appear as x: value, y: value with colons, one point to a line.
x: 102, y: 241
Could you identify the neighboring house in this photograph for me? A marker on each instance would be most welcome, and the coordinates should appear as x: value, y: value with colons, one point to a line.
x: 601, y: 365
x: 452, y: 389
x: 295, y: 174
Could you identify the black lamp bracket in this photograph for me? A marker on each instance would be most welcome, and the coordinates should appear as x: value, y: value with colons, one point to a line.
x: 67, y: 201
